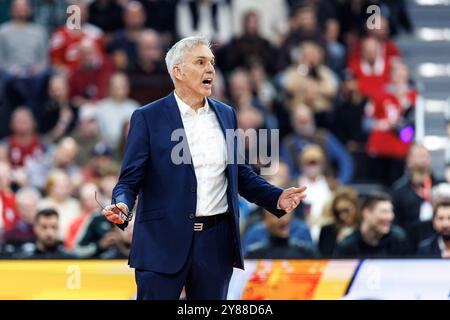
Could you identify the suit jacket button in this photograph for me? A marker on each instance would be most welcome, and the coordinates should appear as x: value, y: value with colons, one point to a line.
x: 194, y: 189
x: 191, y: 216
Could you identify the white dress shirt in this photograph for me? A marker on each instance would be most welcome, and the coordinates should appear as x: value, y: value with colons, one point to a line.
x: 209, y: 156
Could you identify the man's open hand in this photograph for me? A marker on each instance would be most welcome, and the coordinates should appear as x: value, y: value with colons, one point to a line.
x: 113, y: 214
x: 290, y: 198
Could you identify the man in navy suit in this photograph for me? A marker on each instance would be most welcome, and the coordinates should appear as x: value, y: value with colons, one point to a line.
x: 186, y: 232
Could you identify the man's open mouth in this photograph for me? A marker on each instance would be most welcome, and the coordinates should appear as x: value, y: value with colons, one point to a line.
x: 207, y: 81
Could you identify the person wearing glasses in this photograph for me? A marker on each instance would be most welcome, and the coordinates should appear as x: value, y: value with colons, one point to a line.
x: 186, y: 231
x: 343, y: 218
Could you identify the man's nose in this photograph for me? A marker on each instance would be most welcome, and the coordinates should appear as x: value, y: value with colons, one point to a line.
x: 210, y: 68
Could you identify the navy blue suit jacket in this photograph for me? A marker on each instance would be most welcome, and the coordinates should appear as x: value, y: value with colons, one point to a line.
x: 166, y: 192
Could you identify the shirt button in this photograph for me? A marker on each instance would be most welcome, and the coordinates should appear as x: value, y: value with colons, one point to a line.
x: 191, y: 216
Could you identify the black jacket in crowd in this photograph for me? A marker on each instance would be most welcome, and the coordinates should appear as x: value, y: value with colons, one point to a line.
x: 394, y: 244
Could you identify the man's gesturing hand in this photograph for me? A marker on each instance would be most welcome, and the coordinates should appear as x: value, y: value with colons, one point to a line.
x: 290, y: 198
x: 113, y: 214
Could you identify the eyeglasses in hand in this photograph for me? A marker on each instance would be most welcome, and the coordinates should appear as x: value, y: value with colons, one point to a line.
x: 124, y: 216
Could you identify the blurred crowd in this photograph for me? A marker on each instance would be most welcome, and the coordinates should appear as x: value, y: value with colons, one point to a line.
x: 334, y: 85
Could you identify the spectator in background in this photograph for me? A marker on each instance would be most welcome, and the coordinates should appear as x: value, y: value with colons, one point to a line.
x: 22, y: 145
x: 371, y: 69
x: 59, y: 191
x: 98, y: 236
x: 280, y: 244
x: 149, y: 79
x: 123, y: 44
x: 89, y: 81
x: 86, y: 134
x: 388, y: 48
x: 392, y: 132
x: 115, y: 110
x: 259, y: 233
x: 60, y: 157
x: 65, y: 41
x: 101, y: 156
x: 8, y: 208
x: 64, y: 158
x: 121, y: 249
x: 305, y: 132
x: 88, y: 194
x: 21, y: 234
x: 248, y: 48
x: 245, y: 102
x: 438, y: 245
x: 343, y: 215
x: 273, y: 16
x: 350, y: 124
x: 320, y: 187
x: 107, y: 179
x: 411, y: 194
x: 106, y: 14
x: 23, y: 57
x: 376, y: 237
x: 303, y: 27
x: 47, y: 245
x: 309, y: 81
x: 58, y: 115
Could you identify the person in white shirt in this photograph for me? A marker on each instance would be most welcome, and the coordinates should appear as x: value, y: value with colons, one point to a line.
x: 114, y: 111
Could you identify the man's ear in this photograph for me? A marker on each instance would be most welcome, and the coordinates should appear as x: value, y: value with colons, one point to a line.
x: 177, y: 72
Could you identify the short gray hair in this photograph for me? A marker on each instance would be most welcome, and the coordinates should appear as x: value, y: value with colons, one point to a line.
x: 176, y: 54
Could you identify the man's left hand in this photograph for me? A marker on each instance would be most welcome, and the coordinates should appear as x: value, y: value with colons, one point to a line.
x: 290, y: 198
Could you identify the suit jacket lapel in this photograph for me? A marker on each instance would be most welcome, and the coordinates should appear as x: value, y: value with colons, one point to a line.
x: 174, y: 119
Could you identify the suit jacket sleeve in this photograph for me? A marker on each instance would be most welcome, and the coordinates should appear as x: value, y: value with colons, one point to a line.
x: 256, y: 189
x: 136, y: 155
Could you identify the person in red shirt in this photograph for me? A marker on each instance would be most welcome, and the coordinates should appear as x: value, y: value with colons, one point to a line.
x: 388, y: 47
x: 65, y: 42
x: 89, y: 82
x: 8, y: 209
x: 390, y: 139
x: 23, y: 145
x: 372, y: 69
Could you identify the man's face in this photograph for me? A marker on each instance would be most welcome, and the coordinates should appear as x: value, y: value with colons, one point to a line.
x: 380, y: 217
x: 196, y: 73
x: 20, y: 10
x: 419, y: 159
x: 303, y: 121
x: 370, y: 49
x: 28, y: 208
x: 441, y: 222
x: 134, y: 17
x: 22, y: 122
x: 46, y: 229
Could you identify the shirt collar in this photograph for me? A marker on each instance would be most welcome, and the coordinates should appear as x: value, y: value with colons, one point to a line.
x: 185, y: 108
